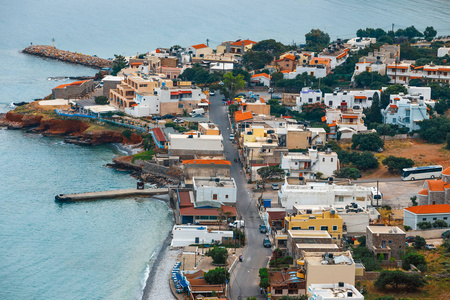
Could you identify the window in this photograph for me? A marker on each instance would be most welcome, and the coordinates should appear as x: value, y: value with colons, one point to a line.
x: 214, y: 196
x: 323, y: 159
x: 279, y: 292
x: 312, y: 228
x: 310, y: 100
x: 424, y: 219
x: 389, y: 242
x: 434, y: 219
x: 318, y: 98
x: 330, y: 103
x: 226, y: 196
x: 296, y: 163
x: 331, y: 159
x: 324, y: 228
x: 445, y: 218
x: 335, y: 228
x: 180, y: 105
x: 341, y: 198
x: 292, y: 292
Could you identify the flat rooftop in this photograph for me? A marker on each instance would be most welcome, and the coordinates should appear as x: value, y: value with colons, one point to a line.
x: 385, y: 229
x: 316, y: 246
x: 329, y: 291
x: 339, y: 258
x: 309, y: 233
x: 214, y: 182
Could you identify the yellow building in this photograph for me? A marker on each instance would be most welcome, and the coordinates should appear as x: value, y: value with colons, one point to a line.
x: 328, y: 221
x: 208, y: 129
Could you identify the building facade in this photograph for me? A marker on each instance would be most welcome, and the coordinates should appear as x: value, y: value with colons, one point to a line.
x: 426, y: 213
x: 385, y: 241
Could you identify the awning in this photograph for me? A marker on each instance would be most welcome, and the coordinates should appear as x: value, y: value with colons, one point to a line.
x: 185, y: 92
x: 360, y: 97
x: 349, y: 117
x: 174, y: 93
x: 393, y: 106
x: 202, y: 104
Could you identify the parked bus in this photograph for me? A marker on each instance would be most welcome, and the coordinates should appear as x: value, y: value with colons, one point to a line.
x: 422, y: 172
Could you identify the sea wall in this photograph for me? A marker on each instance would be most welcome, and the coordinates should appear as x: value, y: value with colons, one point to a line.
x: 67, y: 56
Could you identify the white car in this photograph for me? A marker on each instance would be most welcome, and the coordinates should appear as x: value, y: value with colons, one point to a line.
x: 212, y: 93
x: 231, y: 136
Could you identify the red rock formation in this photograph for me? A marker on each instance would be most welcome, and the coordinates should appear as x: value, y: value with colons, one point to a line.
x: 16, y: 120
x: 62, y: 127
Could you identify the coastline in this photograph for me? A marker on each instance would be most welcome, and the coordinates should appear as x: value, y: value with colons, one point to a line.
x: 162, y: 265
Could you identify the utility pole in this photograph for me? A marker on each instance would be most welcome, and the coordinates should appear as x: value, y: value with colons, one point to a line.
x: 377, y: 192
x: 207, y: 42
x: 392, y: 27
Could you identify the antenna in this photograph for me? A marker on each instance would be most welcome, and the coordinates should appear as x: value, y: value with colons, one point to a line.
x: 207, y: 42
x: 53, y: 42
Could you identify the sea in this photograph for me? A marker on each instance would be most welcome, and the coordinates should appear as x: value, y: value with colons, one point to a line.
x: 104, y: 249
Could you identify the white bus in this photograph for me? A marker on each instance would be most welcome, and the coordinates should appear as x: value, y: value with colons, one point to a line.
x: 422, y: 172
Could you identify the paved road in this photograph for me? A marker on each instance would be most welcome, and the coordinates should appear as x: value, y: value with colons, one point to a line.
x: 244, y: 278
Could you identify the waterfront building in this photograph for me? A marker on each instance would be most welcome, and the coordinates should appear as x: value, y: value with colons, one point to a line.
x: 286, y: 62
x: 199, y: 50
x: 110, y: 82
x: 205, y: 168
x: 358, y: 43
x: 377, y: 60
x: 286, y: 283
x: 337, y: 54
x: 403, y: 72
x: 74, y: 90
x: 185, y: 235
x: 388, y: 241
x: 189, y: 145
x: 443, y: 51
x: 426, y: 213
x: 208, y: 128
x: 257, y: 106
x: 237, y: 47
x: 214, y: 190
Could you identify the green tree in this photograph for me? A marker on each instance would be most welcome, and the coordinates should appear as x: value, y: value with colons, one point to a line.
x: 397, y: 164
x: 271, y: 46
x: 366, y: 256
x: 233, y: 83
x: 413, y: 259
x: 240, y: 237
x: 362, y: 161
x: 434, y: 130
x: 254, y: 60
x: 118, y: 64
x: 314, y: 112
x: 264, y: 278
x: 448, y: 141
x: 347, y: 172
x: 419, y: 242
x: 365, y: 78
x: 440, y: 224
x: 316, y: 39
x: 392, y: 89
x: 127, y: 133
x: 367, y: 142
x: 411, y: 32
x: 373, y: 114
x: 441, y: 106
x: 101, y: 100
x: 429, y: 33
x: 237, y: 71
x: 271, y: 172
x: 219, y: 255
x: 414, y: 200
x: 217, y: 276
x: 232, y: 108
x: 396, y: 279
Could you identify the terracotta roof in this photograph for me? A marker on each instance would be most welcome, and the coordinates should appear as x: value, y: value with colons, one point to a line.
x: 159, y: 135
x: 73, y: 83
x: 246, y: 43
x: 446, y: 171
x: 415, y: 77
x: 206, y: 162
x: 430, y: 209
x: 360, y: 97
x: 393, y: 106
x: 349, y: 117
x: 136, y: 64
x: 341, y: 55
x: 285, y: 71
x: 192, y: 211
x: 332, y: 124
x: 287, y: 56
x: 185, y: 199
x: 436, y: 185
x: 424, y: 192
x: 262, y: 100
x: 242, y: 116
x: 199, y: 46
x: 320, y: 60
x: 261, y: 74
x: 277, y: 215
x: 324, y: 118
x: 398, y: 67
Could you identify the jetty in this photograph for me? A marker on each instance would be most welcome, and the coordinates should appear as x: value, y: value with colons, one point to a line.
x: 67, y: 56
x: 110, y: 194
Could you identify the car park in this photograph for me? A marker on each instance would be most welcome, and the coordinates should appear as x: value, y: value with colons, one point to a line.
x: 267, y: 243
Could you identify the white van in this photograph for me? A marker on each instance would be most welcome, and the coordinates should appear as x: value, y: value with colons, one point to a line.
x: 197, y: 111
x: 237, y: 224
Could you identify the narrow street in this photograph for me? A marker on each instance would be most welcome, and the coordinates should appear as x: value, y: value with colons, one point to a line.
x: 245, y: 276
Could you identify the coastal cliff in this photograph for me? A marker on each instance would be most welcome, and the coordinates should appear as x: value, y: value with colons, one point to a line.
x: 75, y: 131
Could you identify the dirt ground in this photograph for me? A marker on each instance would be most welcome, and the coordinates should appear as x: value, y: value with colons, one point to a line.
x: 421, y: 153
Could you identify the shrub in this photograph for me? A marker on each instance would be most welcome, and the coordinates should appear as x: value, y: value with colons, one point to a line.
x: 219, y: 255
x: 413, y: 259
x: 217, y: 276
x: 434, y: 130
x: 397, y: 164
x: 407, y: 228
x: 397, y: 278
x: 440, y: 224
x: 419, y: 242
x: 239, y: 236
x: 362, y: 161
x: 347, y: 172
x: 146, y: 155
x: 367, y: 142
x: 424, y: 225
x: 264, y: 278
x: 101, y: 100
x: 367, y: 258
x: 127, y: 133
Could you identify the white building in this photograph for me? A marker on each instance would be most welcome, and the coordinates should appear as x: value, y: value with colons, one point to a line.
x: 185, y: 235
x: 405, y: 111
x: 199, y: 50
x: 192, y: 144
x: 307, y: 165
x: 221, y: 67
x: 320, y: 193
x: 149, y: 103
x: 261, y: 78
x: 403, y: 72
x: 337, y: 54
x: 359, y: 43
x: 361, y: 99
x: 423, y: 91
x: 348, y: 121
x: 426, y: 213
x: 214, y: 189
x: 443, y: 51
x: 331, y: 291
x: 308, y: 96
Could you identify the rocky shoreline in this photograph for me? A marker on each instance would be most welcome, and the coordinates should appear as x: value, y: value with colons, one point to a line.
x: 67, y: 56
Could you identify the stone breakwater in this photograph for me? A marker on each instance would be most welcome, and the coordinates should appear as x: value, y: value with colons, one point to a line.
x: 67, y: 56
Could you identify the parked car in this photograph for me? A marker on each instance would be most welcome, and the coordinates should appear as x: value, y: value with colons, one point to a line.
x: 212, y: 93
x: 275, y: 186
x: 168, y: 116
x: 430, y: 247
x: 154, y: 118
x: 410, y: 239
x: 231, y: 136
x: 446, y: 234
x: 266, y: 243
x: 262, y: 228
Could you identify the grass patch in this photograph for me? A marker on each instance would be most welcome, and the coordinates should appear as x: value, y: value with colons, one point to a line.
x: 146, y: 155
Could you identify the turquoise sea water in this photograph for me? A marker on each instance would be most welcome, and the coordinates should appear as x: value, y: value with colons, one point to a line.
x: 100, y: 250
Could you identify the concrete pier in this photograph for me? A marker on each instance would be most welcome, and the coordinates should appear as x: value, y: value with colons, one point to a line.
x: 110, y: 194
